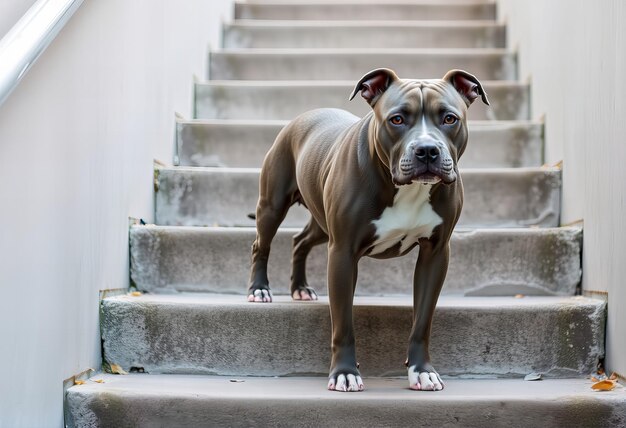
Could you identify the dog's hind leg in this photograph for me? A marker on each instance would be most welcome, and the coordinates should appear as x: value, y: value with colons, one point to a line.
x: 277, y: 192
x: 310, y: 236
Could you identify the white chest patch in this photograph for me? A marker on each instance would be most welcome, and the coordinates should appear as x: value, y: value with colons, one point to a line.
x: 410, y: 218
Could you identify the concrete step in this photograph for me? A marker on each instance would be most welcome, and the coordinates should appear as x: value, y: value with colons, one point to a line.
x: 483, y: 262
x: 510, y: 100
x: 471, y: 336
x: 244, y: 143
x: 512, y: 197
x: 211, y: 401
x: 352, y: 64
x: 350, y: 10
x: 359, y: 34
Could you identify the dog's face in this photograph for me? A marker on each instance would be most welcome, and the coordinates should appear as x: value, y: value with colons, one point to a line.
x: 420, y: 125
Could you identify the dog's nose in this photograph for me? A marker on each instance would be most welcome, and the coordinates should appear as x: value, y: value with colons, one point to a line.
x: 427, y: 152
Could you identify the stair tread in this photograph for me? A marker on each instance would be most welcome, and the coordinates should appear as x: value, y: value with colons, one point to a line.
x: 326, y: 82
x: 315, y: 23
x: 445, y: 302
x: 470, y: 52
x: 458, y: 230
x: 472, y: 124
x: 464, y: 171
x: 312, y: 387
x: 191, y: 400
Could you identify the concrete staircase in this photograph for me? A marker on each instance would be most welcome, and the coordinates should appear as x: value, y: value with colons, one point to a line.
x: 200, y: 355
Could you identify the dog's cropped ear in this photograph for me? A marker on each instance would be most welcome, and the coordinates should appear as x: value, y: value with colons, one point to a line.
x: 373, y: 84
x: 467, y: 85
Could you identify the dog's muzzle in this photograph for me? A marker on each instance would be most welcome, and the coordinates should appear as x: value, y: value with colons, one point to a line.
x: 427, y: 161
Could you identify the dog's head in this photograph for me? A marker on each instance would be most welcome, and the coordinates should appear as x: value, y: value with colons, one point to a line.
x: 420, y: 126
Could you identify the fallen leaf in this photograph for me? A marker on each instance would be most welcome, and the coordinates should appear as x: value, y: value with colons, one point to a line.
x: 99, y: 380
x: 594, y: 379
x: 613, y: 376
x: 519, y: 296
x: 603, y: 385
x: 533, y: 376
x: 116, y: 369
x: 79, y: 382
x: 136, y: 293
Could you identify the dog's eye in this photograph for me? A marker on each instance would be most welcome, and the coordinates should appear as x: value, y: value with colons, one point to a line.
x: 450, y: 119
x: 397, y: 120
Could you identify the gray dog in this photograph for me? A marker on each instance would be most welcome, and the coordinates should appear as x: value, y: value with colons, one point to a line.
x: 376, y: 186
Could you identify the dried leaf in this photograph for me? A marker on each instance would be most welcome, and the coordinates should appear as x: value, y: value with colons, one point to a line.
x: 594, y: 379
x: 533, y: 376
x: 603, y: 385
x: 99, y: 380
x: 519, y: 296
x: 136, y: 293
x: 116, y: 369
x: 79, y: 382
x: 613, y: 376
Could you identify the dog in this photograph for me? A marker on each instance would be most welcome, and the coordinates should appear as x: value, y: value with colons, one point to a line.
x: 375, y: 186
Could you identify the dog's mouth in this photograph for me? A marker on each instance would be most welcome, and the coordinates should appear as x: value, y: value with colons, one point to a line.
x: 427, y: 178
x: 426, y: 174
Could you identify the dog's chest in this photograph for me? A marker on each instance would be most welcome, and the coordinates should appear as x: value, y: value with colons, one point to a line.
x: 410, y: 218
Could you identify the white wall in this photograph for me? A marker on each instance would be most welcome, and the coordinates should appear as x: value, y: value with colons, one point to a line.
x: 10, y: 12
x: 77, y: 141
x: 575, y: 53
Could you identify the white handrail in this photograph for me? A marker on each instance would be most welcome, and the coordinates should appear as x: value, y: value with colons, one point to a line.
x: 29, y: 37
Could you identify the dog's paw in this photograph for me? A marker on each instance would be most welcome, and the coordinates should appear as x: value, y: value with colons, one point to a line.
x: 345, y: 383
x: 304, y: 293
x: 424, y: 379
x: 260, y: 295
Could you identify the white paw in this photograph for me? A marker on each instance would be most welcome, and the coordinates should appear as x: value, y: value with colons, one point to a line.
x: 264, y: 296
x: 425, y: 380
x: 304, y: 294
x: 346, y: 383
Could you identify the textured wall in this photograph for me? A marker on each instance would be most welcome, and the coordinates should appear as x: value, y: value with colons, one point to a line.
x: 573, y: 50
x: 77, y: 140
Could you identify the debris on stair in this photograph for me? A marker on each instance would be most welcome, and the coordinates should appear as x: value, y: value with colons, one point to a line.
x: 533, y: 377
x: 604, y: 383
x: 117, y: 369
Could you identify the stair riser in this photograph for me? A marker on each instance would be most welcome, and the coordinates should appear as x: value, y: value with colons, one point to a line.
x: 312, y: 65
x: 245, y: 101
x: 219, y: 197
x: 365, y: 12
x: 483, y: 262
x: 291, y: 338
x: 368, y: 35
x: 499, y: 145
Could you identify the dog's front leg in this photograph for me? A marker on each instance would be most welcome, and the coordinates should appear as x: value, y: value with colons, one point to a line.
x: 430, y: 273
x: 342, y: 274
